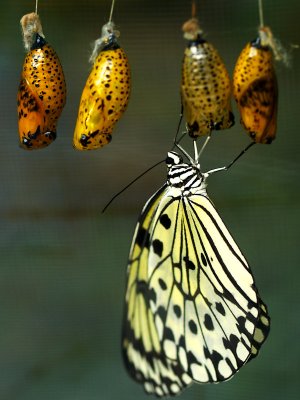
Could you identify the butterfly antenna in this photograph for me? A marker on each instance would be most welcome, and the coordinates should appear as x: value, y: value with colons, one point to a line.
x: 131, y: 183
x: 153, y: 166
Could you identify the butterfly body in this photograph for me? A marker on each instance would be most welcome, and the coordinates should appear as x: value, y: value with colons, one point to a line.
x: 255, y: 91
x: 205, y: 85
x: 199, y: 309
x: 41, y: 95
x: 104, y: 98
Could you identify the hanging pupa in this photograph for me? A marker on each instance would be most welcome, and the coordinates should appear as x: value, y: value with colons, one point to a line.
x: 255, y: 87
x: 205, y: 85
x: 106, y: 93
x: 42, y: 90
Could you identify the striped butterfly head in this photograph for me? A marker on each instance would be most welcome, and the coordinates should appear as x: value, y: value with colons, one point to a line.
x: 186, y: 177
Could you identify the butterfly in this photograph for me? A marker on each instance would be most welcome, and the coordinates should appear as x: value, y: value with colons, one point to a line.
x: 192, y: 310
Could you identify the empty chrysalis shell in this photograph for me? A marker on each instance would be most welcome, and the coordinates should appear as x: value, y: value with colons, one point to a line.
x: 42, y: 90
x: 205, y: 85
x: 255, y: 88
x: 106, y: 93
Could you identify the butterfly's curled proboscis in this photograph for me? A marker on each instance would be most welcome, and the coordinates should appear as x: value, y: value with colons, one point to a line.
x: 192, y: 310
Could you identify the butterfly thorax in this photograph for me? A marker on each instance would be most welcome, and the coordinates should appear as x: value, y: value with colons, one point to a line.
x: 187, y: 178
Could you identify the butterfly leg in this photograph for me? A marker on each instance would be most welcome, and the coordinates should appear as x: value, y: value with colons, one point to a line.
x: 198, y: 154
x: 240, y: 155
x: 226, y: 168
x: 178, y: 127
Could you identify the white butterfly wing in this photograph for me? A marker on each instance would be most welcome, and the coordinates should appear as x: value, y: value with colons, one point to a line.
x: 204, y: 300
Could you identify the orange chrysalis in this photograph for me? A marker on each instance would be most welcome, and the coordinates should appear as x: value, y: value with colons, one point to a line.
x: 42, y: 90
x: 106, y: 93
x: 255, y: 83
x: 255, y: 88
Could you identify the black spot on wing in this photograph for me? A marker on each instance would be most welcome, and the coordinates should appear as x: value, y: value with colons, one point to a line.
x: 227, y: 295
x: 161, y: 311
x: 220, y: 308
x: 142, y: 238
x: 231, y: 342
x: 177, y: 310
x: 189, y: 264
x: 181, y: 341
x: 208, y: 322
x: 157, y: 247
x: 242, y: 323
x: 162, y: 284
x: 165, y: 221
x: 193, y: 327
x: 192, y: 359
x: 168, y: 334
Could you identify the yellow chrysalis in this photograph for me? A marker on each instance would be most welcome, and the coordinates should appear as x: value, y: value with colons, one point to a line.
x: 205, y: 85
x: 106, y: 93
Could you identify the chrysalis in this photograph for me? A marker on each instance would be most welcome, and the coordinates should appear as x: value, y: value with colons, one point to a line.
x: 205, y: 85
x: 42, y: 90
x: 255, y: 87
x: 106, y: 93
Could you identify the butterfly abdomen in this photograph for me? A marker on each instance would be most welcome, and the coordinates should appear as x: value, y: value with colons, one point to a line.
x: 205, y: 88
x: 104, y: 99
x: 255, y: 91
x: 41, y: 95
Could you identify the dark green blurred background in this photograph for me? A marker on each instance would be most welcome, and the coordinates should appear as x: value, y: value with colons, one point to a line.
x: 63, y: 264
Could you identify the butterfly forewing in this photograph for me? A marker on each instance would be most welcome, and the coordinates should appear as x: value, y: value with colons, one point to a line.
x: 205, y: 319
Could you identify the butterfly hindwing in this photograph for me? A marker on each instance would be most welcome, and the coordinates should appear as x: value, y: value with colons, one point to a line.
x: 262, y: 329
x: 142, y: 353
